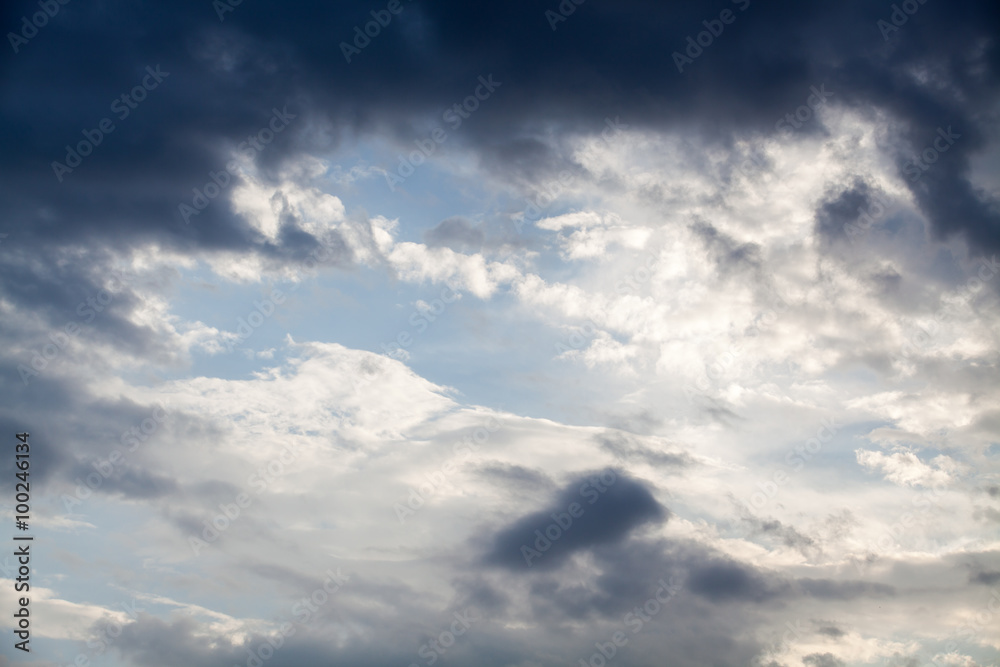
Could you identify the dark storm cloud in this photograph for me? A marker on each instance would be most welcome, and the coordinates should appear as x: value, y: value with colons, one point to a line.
x: 714, y: 594
x: 844, y: 207
x: 47, y: 458
x: 724, y: 581
x: 78, y: 293
x: 64, y: 450
x: 226, y: 77
x: 631, y: 568
x: 629, y: 564
x: 592, y: 510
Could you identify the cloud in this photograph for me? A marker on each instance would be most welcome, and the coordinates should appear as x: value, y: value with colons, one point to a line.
x: 681, y: 307
x: 625, y: 447
x: 849, y: 214
x: 723, y: 581
x: 906, y: 468
x: 455, y: 233
x: 230, y: 65
x: 788, y: 535
x: 823, y: 660
x: 591, y: 510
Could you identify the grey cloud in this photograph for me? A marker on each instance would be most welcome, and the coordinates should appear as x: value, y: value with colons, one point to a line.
x: 788, y: 535
x: 985, y: 578
x: 830, y: 589
x: 477, y: 592
x: 609, y: 514
x: 226, y: 77
x: 128, y: 480
x: 626, y: 447
x: 844, y: 207
x: 731, y: 256
x: 508, y: 473
x: 456, y: 233
x: 823, y: 660
x: 722, y: 581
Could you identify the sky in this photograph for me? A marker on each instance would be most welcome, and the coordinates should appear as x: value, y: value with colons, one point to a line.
x: 512, y: 334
